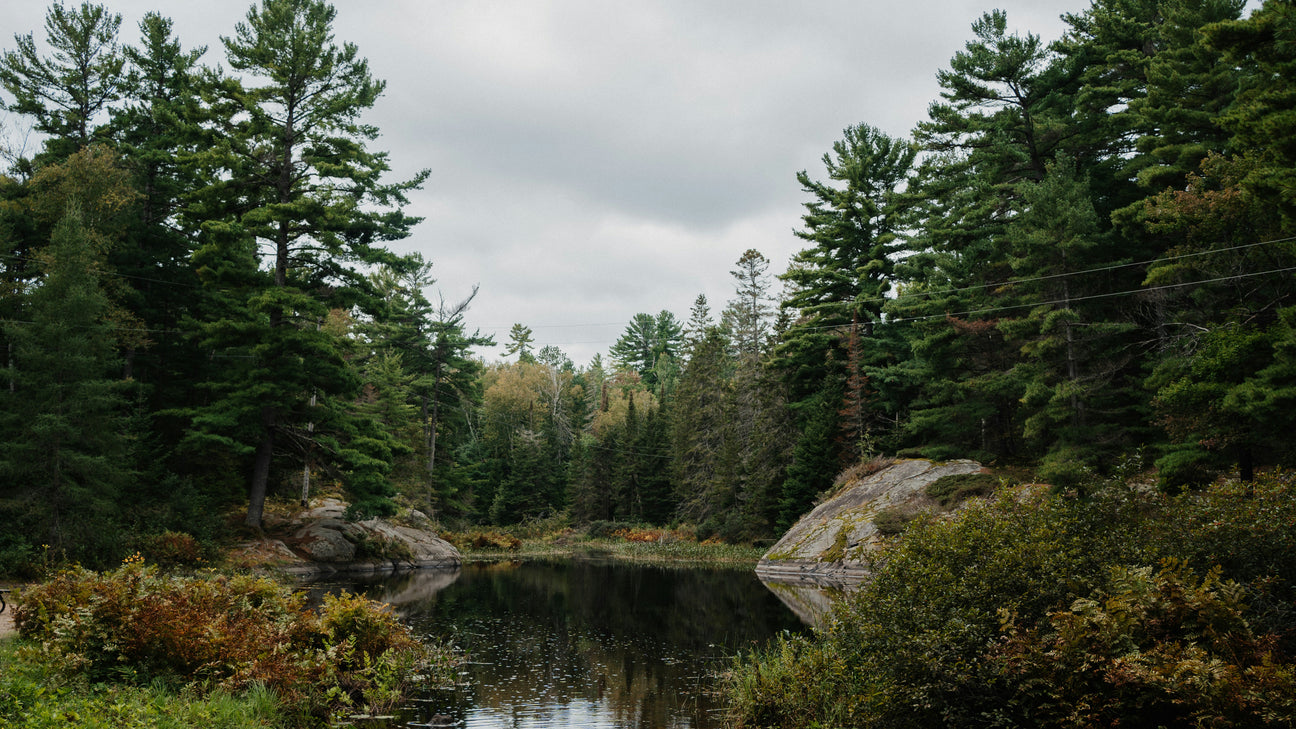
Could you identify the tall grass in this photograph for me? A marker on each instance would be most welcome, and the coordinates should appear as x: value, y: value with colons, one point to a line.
x: 36, y: 694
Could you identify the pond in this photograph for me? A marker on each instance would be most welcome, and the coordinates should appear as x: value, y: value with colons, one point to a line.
x: 581, y: 643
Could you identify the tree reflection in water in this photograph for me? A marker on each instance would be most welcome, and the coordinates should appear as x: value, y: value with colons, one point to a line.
x: 585, y: 643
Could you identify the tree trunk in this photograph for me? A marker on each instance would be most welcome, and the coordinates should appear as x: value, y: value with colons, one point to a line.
x: 1072, y: 360
x: 261, y: 470
x: 1246, y: 464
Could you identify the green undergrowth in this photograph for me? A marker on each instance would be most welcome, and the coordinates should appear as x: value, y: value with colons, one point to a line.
x: 556, y: 538
x: 143, y: 635
x: 1121, y: 607
x: 35, y: 693
x: 640, y: 552
x: 628, y: 551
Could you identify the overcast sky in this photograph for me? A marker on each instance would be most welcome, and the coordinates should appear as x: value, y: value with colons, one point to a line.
x: 594, y: 159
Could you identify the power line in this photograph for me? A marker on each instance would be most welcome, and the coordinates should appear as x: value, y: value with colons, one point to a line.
x: 1085, y: 272
x: 1011, y: 307
x: 1103, y: 296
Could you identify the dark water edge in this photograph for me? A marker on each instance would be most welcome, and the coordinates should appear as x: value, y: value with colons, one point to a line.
x: 581, y: 643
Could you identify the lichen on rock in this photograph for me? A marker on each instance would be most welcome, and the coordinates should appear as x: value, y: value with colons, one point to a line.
x: 832, y: 542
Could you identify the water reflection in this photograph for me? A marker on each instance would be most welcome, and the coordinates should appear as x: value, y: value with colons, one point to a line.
x: 810, y: 601
x: 578, y: 643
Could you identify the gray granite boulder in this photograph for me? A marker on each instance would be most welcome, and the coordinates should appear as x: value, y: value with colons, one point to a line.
x: 328, y: 542
x: 828, y: 545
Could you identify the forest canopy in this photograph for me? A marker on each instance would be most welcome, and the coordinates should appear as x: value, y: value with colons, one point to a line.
x: 1083, y: 255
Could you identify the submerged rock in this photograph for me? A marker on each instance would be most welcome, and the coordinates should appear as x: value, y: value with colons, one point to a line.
x: 828, y: 545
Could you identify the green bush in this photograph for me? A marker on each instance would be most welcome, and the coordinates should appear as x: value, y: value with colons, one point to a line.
x: 171, y: 549
x: 894, y: 519
x: 956, y: 487
x: 964, y: 614
x: 1163, y: 649
x: 136, y: 625
x: 483, y: 540
x: 602, y: 529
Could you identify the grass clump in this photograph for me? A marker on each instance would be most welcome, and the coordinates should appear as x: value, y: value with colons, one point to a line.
x: 136, y: 626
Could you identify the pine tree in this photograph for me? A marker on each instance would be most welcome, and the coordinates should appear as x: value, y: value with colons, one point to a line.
x: 67, y: 92
x: 748, y: 315
x: 1263, y: 119
x: 1003, y: 117
x: 701, y: 429
x: 847, y: 271
x: 520, y: 343
x: 650, y: 346
x: 837, y: 286
x: 64, y: 454
x: 1072, y: 364
x: 158, y: 134
x: 294, y: 175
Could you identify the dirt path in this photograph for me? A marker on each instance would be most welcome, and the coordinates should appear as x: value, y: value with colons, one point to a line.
x: 6, y: 617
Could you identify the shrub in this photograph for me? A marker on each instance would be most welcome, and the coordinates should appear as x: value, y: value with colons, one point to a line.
x: 924, y: 642
x: 906, y: 650
x: 1161, y: 649
x: 36, y: 692
x: 171, y: 549
x: 137, y: 625
x: 604, y: 529
x: 645, y: 535
x: 956, y: 487
x: 894, y: 519
x: 483, y: 540
x: 779, y: 685
x: 379, y: 547
x: 858, y: 472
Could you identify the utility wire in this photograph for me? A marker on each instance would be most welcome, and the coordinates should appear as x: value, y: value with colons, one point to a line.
x: 853, y: 302
x: 1033, y: 279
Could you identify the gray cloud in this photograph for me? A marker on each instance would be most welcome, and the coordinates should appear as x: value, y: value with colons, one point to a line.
x: 591, y: 160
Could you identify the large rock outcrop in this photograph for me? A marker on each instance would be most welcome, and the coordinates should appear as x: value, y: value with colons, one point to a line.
x: 828, y: 545
x: 321, y: 540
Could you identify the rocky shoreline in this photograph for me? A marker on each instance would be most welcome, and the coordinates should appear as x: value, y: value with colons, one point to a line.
x: 829, y: 546
x: 320, y: 541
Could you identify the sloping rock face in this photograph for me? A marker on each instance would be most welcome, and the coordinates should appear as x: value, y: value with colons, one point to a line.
x: 827, y: 546
x: 321, y: 541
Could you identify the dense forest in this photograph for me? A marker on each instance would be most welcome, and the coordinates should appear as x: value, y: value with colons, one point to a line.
x: 1082, y: 259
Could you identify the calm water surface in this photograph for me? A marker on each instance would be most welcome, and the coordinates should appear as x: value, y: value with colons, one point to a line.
x: 582, y: 643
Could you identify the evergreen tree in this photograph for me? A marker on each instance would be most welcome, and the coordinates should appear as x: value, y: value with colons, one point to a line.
x: 1150, y: 90
x: 748, y: 315
x: 1223, y: 298
x: 1003, y: 118
x: 816, y: 456
x: 526, y: 487
x: 847, y: 271
x: 696, y: 327
x: 64, y: 454
x: 650, y: 346
x: 837, y: 289
x: 68, y: 91
x: 295, y: 176
x: 701, y: 430
x: 520, y: 343
x: 1072, y: 363
x: 158, y: 135
x: 1263, y: 119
